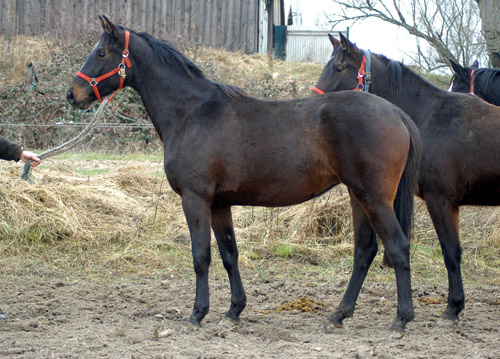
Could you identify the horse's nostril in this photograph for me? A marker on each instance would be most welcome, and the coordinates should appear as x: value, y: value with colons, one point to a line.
x: 69, y: 96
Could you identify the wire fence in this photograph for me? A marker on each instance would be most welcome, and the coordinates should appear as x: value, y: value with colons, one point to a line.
x: 116, y: 138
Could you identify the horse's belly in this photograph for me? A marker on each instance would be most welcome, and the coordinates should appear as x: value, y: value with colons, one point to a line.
x: 486, y: 193
x: 272, y: 194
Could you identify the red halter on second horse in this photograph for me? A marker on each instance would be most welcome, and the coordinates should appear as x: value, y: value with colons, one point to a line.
x: 120, y: 70
x: 472, y: 75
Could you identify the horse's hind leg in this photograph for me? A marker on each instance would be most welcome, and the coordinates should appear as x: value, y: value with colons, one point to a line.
x: 397, y: 246
x: 445, y: 219
x: 222, y: 224
x: 365, y: 249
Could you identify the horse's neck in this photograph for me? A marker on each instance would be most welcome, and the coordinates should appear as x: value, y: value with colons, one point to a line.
x: 167, y: 94
x: 414, y: 95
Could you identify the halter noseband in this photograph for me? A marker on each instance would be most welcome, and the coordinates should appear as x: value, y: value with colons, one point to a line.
x: 120, y: 70
x: 364, y: 75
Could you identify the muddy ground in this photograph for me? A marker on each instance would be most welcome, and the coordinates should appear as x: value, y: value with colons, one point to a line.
x: 53, y: 316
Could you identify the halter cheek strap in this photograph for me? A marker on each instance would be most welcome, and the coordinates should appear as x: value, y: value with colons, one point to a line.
x: 120, y: 70
x: 364, y: 75
x: 472, y: 76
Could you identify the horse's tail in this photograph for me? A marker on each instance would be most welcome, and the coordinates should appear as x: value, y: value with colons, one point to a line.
x: 405, y: 196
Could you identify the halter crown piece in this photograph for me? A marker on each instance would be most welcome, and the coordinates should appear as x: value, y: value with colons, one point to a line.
x: 120, y: 70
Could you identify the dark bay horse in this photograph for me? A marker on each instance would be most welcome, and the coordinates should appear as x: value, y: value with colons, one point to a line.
x: 223, y: 147
x: 483, y: 82
x: 460, y: 146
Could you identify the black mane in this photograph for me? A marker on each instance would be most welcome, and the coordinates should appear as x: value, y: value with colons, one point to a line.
x: 166, y: 54
x: 397, y: 70
x: 485, y: 78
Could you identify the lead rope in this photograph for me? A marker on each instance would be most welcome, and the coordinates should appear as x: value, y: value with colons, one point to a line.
x: 26, y: 172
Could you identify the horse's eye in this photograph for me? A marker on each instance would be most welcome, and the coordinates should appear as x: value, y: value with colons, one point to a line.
x: 101, y: 54
x: 338, y: 68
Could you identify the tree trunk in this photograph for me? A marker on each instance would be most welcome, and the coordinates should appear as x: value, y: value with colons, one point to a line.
x: 489, y: 11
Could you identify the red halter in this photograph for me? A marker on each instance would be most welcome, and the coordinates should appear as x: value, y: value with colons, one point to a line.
x: 472, y: 75
x: 360, y: 77
x: 120, y: 70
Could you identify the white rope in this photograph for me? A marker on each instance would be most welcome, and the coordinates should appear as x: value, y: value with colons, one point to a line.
x: 26, y: 173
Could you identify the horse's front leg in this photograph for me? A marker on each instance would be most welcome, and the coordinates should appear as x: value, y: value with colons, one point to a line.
x: 365, y: 249
x: 222, y: 224
x: 197, y: 212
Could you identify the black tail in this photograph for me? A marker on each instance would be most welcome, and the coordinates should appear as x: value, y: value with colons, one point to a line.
x: 405, y: 197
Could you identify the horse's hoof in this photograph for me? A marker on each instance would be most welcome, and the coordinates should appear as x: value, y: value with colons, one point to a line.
x: 228, y: 323
x: 331, y: 327
x: 397, y: 334
x: 193, y: 324
x: 444, y: 322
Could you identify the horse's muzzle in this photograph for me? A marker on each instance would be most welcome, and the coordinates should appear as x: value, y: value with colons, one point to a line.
x: 74, y: 100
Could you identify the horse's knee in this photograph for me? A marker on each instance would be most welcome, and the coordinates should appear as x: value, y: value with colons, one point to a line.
x: 229, y: 260
x: 201, y: 263
x: 452, y: 256
x: 399, y: 255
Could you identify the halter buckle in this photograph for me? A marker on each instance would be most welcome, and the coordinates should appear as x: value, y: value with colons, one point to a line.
x: 121, y: 71
x: 93, y: 82
x: 368, y: 78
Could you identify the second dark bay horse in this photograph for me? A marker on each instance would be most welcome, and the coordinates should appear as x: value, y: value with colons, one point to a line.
x: 223, y: 147
x: 460, y: 146
x: 482, y: 82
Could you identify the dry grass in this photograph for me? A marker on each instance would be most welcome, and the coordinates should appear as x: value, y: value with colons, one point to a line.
x: 126, y: 219
x: 21, y: 50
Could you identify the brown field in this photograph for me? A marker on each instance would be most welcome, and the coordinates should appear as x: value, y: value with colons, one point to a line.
x: 95, y: 255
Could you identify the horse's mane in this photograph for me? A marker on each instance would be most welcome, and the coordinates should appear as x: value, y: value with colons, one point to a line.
x: 485, y: 78
x: 167, y: 54
x: 397, y: 70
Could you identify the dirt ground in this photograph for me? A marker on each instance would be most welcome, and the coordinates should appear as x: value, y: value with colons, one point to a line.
x: 52, y: 316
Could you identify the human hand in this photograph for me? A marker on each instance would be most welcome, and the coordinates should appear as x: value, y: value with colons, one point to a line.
x: 27, y: 155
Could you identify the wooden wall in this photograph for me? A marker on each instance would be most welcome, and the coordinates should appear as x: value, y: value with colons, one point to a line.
x: 230, y: 24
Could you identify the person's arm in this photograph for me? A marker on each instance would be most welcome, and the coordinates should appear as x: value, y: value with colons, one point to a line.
x: 9, y: 150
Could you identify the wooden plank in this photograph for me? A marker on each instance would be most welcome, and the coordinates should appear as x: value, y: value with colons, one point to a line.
x: 128, y: 13
x: 236, y: 44
x: 148, y: 17
x: 200, y: 21
x: 253, y: 24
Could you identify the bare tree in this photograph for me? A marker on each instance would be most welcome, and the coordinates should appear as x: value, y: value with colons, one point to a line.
x: 490, y: 15
x: 443, y: 29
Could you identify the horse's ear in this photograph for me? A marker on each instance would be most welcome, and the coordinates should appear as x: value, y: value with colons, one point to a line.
x: 107, y: 25
x: 334, y: 41
x: 475, y: 64
x: 458, y: 69
x: 347, y: 45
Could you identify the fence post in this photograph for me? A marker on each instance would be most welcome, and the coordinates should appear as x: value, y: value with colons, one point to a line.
x: 11, y: 13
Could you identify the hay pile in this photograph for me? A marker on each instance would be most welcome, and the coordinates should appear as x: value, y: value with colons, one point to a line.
x: 120, y: 216
x: 126, y: 217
